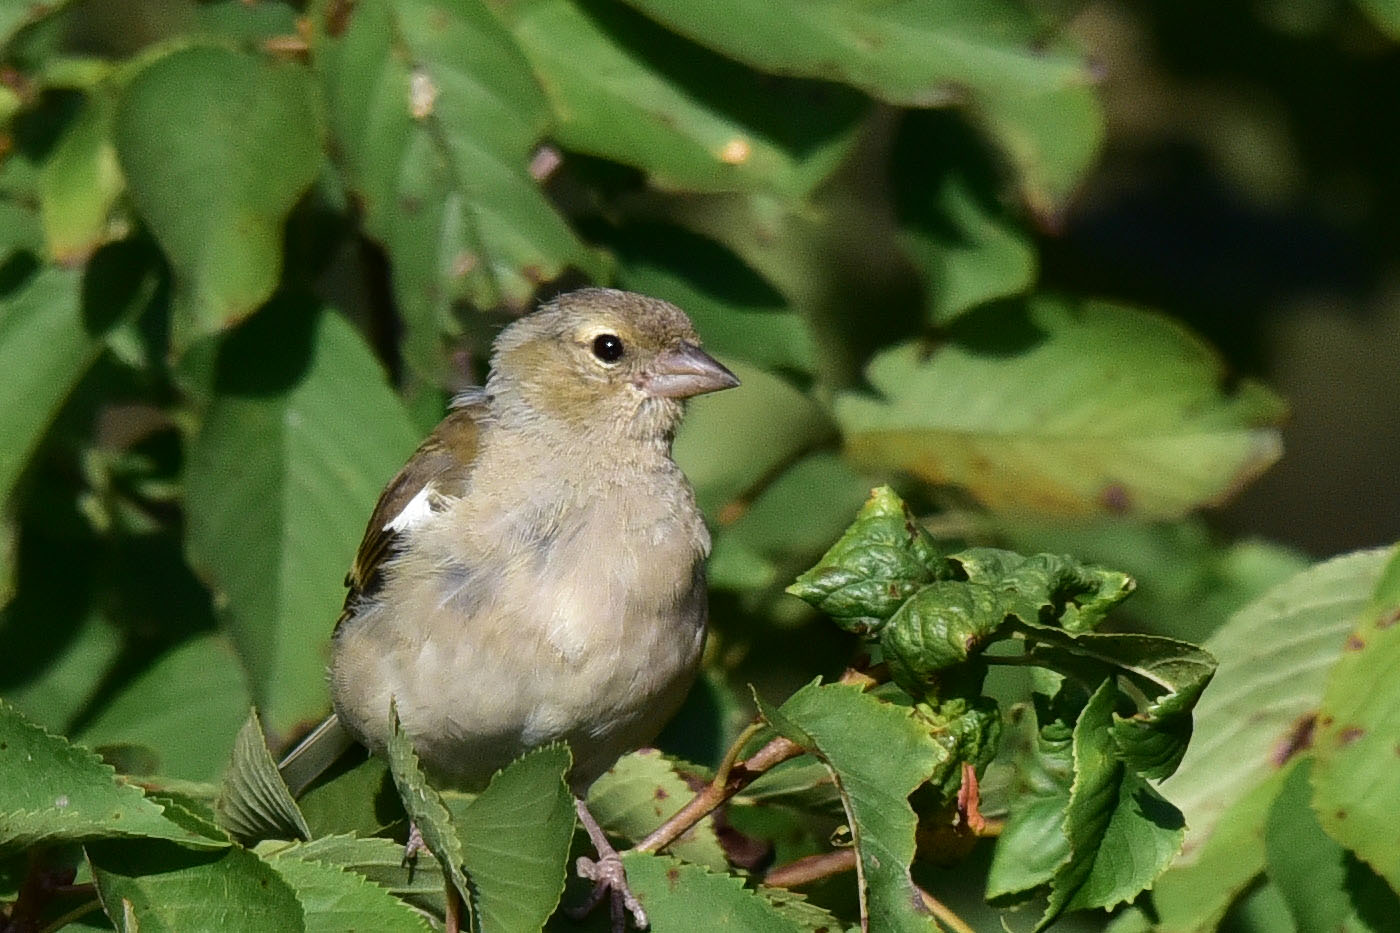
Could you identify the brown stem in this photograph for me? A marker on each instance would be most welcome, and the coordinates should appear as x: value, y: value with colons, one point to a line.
x: 944, y: 914
x: 727, y: 782
x: 811, y: 868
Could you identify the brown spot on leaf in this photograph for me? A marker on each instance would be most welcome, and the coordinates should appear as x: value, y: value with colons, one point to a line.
x: 1388, y: 619
x: 1349, y: 734
x: 673, y: 877
x: 1355, y: 643
x: 661, y: 793
x: 1115, y: 498
x: 1340, y: 814
x: 338, y: 16
x: 1298, y: 738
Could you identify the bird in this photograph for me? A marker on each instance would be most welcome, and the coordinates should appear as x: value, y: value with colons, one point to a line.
x: 536, y: 571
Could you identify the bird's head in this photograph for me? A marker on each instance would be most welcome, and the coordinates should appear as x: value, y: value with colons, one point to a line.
x: 604, y: 362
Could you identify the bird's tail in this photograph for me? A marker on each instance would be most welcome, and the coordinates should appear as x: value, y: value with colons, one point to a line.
x: 314, y: 754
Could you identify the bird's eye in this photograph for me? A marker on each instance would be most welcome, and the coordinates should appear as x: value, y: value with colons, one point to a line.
x: 608, y: 347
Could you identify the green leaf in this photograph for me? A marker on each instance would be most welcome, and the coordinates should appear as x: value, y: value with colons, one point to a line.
x: 1326, y: 888
x: 157, y: 887
x: 1385, y: 14
x: 1065, y: 410
x: 790, y: 522
x: 1043, y: 588
x: 840, y: 725
x: 883, y: 558
x: 736, y: 311
x: 47, y: 342
x: 51, y: 790
x: 254, y: 803
x: 988, y: 53
x: 677, y: 895
x: 290, y: 459
x: 60, y: 689
x: 515, y: 841
x: 80, y: 182
x: 1171, y: 676
x: 624, y: 89
x: 970, y: 245
x: 435, y: 114
x: 1195, y: 897
x: 353, y: 796
x: 1357, y: 782
x: 641, y: 792
x: 378, y: 860
x: 16, y: 14
x: 1122, y: 834
x: 429, y: 814
x: 187, y: 707
x: 337, y: 899
x: 1274, y: 656
x: 1033, y: 845
x: 730, y: 443
x: 198, y: 132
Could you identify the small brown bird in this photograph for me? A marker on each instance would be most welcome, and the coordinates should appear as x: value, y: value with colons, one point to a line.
x: 535, y: 572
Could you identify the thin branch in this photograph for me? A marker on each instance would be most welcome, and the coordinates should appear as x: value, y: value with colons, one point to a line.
x: 725, y: 785
x: 811, y: 868
x: 944, y: 914
x: 77, y: 913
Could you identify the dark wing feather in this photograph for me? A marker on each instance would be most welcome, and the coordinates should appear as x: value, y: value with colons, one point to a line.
x: 443, y: 462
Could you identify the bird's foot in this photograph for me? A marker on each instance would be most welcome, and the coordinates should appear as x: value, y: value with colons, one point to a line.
x: 413, y: 846
x: 609, y: 879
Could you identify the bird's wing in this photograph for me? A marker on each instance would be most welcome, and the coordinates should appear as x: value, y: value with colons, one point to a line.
x: 435, y: 475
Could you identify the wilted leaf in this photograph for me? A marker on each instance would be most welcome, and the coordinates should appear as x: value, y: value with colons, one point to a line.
x: 1274, y: 656
x: 51, y: 790
x: 1121, y: 833
x: 1093, y: 409
x: 880, y: 561
x: 196, y: 131
x: 1357, y: 781
x: 288, y: 464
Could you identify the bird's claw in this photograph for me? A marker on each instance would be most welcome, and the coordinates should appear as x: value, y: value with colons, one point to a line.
x: 609, y: 878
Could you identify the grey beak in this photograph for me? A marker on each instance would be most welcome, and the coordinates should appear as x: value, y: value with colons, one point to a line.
x: 686, y: 371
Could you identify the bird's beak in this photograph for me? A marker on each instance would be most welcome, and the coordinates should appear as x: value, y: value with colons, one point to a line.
x: 686, y: 371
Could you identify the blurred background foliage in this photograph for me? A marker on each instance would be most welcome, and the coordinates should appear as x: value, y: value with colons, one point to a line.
x: 249, y: 248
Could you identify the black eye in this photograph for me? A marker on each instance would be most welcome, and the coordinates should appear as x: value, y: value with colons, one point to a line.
x: 608, y: 347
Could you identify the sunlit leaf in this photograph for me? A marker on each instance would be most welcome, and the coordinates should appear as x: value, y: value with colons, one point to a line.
x: 1067, y: 410
x: 1274, y: 657
x: 639, y: 793
x: 1357, y: 782
x: 434, y: 114
x: 51, y: 790
x: 196, y: 132
x: 290, y: 460
x: 254, y: 803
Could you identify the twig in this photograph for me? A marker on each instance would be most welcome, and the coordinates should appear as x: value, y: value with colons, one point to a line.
x: 811, y: 868
x: 944, y: 914
x: 77, y: 913
x: 728, y: 781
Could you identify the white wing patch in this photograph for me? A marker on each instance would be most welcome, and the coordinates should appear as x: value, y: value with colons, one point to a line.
x: 419, y: 510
